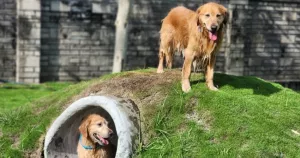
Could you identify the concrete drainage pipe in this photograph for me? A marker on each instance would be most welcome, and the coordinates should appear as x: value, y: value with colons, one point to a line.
x: 123, y: 115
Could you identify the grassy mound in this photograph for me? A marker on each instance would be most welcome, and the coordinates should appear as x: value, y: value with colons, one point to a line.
x: 247, y: 117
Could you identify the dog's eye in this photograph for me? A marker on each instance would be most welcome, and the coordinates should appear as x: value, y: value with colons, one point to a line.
x: 218, y: 15
x: 207, y: 15
x: 99, y: 124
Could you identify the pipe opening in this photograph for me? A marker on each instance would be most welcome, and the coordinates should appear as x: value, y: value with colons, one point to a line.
x: 123, y: 116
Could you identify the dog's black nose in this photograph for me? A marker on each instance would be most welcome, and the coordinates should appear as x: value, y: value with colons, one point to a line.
x: 214, y: 28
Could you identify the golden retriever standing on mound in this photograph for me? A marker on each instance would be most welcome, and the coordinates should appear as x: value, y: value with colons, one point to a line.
x: 198, y: 34
x: 93, y: 141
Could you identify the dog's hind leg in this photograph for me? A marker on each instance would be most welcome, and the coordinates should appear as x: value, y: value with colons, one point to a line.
x: 165, y: 50
x: 160, y: 68
x: 169, y: 58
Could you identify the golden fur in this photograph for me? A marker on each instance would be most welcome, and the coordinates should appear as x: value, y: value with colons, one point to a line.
x: 89, y: 126
x: 197, y: 34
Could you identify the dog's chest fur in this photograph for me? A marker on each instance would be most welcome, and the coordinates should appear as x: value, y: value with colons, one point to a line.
x: 104, y: 152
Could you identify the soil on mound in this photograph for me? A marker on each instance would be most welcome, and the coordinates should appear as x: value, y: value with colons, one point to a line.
x: 141, y: 87
x: 135, y: 82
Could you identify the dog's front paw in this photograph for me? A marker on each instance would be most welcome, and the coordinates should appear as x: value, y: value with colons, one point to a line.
x: 186, y: 86
x: 159, y: 71
x: 212, y: 87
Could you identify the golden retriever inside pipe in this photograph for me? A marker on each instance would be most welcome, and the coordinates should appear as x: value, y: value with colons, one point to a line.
x: 197, y: 34
x: 93, y: 142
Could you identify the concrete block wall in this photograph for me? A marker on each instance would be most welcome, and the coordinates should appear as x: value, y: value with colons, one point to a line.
x: 265, y: 40
x: 76, y: 44
x: 7, y: 39
x: 60, y: 40
x: 28, y: 41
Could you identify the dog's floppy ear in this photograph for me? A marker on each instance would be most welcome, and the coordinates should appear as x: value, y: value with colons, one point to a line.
x: 199, y: 23
x: 83, y: 128
x: 225, y: 14
x: 198, y: 20
x: 199, y: 10
x: 198, y: 16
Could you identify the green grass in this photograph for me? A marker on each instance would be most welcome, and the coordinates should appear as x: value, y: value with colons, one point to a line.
x: 20, y: 118
x: 247, y: 117
x: 14, y: 95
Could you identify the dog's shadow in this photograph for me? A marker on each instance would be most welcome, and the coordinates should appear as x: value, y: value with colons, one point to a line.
x: 259, y: 86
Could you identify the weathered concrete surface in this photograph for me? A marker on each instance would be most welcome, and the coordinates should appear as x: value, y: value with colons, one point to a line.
x: 62, y: 137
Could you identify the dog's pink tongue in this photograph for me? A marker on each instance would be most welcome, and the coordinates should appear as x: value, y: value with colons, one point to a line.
x: 104, y: 141
x: 213, y: 36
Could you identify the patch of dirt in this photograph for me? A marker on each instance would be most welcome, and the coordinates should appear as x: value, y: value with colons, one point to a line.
x: 139, y: 82
x: 37, y: 153
x: 190, y: 105
x: 244, y: 147
x: 214, y: 141
x: 202, y: 118
x: 141, y: 87
x: 182, y: 128
x: 16, y: 141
